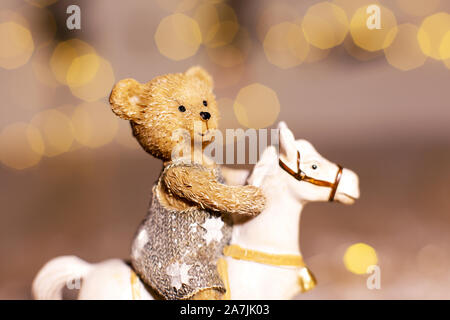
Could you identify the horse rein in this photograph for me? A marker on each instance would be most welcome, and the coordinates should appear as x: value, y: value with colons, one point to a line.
x: 302, y: 176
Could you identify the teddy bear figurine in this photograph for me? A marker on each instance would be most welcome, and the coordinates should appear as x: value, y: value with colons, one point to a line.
x: 177, y: 248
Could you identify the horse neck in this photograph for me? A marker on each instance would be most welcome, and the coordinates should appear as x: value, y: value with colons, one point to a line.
x: 277, y: 228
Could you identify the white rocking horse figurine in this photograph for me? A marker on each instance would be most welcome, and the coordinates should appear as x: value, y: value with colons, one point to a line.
x: 263, y: 260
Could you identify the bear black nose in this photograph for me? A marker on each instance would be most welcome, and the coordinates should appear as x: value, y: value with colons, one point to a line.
x: 205, y: 115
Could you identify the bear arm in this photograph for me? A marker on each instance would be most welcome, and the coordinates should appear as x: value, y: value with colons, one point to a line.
x: 201, y: 187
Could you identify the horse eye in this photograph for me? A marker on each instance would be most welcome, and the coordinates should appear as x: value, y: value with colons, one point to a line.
x: 205, y: 103
x: 182, y: 108
x: 314, y: 166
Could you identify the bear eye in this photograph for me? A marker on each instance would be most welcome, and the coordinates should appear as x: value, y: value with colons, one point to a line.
x: 205, y: 103
x: 314, y: 166
x: 182, y: 108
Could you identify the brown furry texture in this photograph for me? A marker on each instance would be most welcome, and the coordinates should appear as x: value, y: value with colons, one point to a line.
x: 153, y: 110
x: 200, y: 188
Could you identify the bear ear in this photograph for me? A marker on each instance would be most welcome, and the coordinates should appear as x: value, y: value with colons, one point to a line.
x: 200, y: 73
x: 125, y: 99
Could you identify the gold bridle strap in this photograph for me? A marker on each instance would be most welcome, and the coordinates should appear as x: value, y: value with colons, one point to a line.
x: 301, y: 176
x: 306, y: 279
x: 288, y: 260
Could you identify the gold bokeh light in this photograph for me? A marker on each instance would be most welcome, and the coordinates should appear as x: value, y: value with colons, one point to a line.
x: 218, y: 24
x: 232, y: 54
x: 432, y: 33
x: 16, y: 45
x: 256, y: 106
x: 359, y: 257
x: 56, y: 131
x: 325, y: 25
x: 373, y: 39
x: 22, y: 146
x: 99, y: 86
x: 64, y: 55
x: 178, y: 37
x: 444, y: 49
x: 285, y: 45
x: 94, y: 124
x: 404, y: 53
x: 82, y: 70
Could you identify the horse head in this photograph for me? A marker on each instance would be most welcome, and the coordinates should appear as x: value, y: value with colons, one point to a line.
x: 302, y: 171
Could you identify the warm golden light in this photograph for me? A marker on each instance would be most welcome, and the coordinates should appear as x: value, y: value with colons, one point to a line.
x: 316, y: 54
x: 21, y: 146
x: 16, y: 45
x: 404, y: 53
x: 218, y: 24
x: 285, y: 45
x: 56, y: 130
x: 444, y: 49
x: 40, y: 22
x: 325, y: 25
x: 82, y: 70
x: 94, y: 124
x: 228, y: 76
x: 359, y: 257
x: 373, y: 39
x: 256, y: 106
x: 178, y: 37
x: 97, y: 87
x: 64, y: 55
x: 232, y: 54
x: 432, y: 33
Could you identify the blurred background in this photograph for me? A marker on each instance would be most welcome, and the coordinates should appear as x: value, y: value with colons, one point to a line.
x: 73, y: 180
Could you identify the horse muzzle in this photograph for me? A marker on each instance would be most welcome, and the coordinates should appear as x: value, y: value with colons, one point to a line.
x: 348, y: 189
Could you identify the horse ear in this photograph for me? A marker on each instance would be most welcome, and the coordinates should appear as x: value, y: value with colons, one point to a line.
x: 266, y: 164
x: 288, y: 148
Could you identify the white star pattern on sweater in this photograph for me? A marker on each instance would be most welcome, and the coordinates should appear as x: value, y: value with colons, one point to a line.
x: 213, y: 228
x: 178, y: 274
